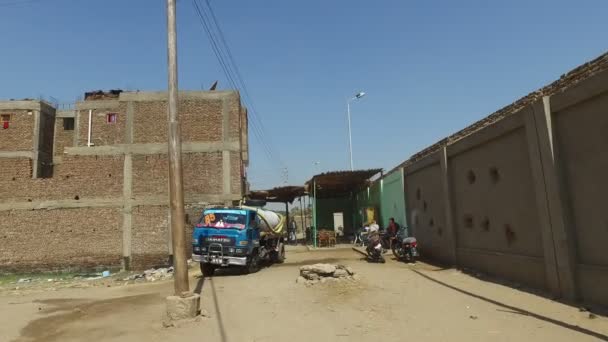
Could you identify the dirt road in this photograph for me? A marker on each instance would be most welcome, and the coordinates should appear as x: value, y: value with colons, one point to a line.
x: 391, y: 302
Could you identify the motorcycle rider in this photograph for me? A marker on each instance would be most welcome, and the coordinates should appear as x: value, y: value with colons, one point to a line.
x: 391, y: 232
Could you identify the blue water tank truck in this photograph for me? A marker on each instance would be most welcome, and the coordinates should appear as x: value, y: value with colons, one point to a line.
x: 240, y: 236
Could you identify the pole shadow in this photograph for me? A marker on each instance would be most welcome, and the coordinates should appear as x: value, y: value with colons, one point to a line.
x: 218, y: 312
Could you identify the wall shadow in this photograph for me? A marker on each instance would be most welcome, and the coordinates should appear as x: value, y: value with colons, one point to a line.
x: 516, y: 310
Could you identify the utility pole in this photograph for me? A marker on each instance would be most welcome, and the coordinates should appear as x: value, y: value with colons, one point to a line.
x: 176, y: 185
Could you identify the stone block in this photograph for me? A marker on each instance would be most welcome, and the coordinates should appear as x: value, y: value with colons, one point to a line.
x: 182, y: 307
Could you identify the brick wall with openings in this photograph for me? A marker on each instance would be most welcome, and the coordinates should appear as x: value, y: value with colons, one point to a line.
x: 83, y: 238
x: 45, y: 142
x: 20, y: 132
x: 47, y: 132
x: 87, y: 190
x: 63, y: 137
x: 107, y: 126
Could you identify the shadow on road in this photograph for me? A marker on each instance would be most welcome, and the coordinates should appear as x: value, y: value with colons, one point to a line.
x: 516, y: 310
x: 218, y: 312
x: 198, y: 289
x: 199, y: 285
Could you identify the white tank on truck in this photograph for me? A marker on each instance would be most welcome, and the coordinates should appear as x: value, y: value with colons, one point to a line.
x: 270, y: 222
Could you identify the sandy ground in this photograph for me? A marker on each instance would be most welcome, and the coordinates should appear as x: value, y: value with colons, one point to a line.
x: 391, y: 302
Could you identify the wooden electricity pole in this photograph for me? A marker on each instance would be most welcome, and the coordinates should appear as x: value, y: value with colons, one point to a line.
x: 176, y: 185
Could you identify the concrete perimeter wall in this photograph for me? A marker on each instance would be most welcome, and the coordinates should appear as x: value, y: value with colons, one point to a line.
x: 525, y: 197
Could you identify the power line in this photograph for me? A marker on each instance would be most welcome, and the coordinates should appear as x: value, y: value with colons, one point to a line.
x: 226, y: 68
x: 238, y: 74
x: 239, y: 79
x: 232, y: 73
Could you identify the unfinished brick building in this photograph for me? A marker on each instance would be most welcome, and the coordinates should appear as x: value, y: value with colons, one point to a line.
x: 88, y: 187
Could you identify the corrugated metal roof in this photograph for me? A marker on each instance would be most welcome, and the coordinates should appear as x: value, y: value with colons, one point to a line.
x: 338, y: 183
x: 278, y: 194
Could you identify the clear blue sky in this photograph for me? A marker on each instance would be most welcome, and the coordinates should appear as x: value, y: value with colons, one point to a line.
x: 429, y: 67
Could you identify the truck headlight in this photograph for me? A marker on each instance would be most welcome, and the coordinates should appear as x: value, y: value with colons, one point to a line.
x: 231, y: 250
x: 204, y: 249
x: 197, y: 249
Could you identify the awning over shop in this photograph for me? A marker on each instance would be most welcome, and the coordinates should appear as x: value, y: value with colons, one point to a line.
x: 281, y: 194
x: 339, y: 183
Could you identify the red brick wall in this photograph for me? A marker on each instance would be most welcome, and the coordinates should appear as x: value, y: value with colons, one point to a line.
x: 87, y: 177
x: 60, y: 239
x: 15, y: 168
x: 202, y: 174
x: 234, y: 109
x: 19, y: 136
x: 235, y: 173
x: 150, y: 233
x: 200, y: 121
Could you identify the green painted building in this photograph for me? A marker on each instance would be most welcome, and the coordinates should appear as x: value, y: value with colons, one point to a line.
x: 392, y: 198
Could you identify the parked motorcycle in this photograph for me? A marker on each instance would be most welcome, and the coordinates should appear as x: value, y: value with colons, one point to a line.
x: 374, y: 249
x: 405, y: 248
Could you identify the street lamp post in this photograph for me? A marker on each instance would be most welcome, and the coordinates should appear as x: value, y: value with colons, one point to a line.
x: 314, y: 204
x: 350, y: 138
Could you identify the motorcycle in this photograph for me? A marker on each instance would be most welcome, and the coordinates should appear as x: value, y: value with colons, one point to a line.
x: 405, y: 248
x: 374, y: 249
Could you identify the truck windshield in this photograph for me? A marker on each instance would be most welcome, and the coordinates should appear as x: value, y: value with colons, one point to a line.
x: 222, y: 220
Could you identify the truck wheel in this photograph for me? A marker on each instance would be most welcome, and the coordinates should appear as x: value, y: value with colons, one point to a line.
x: 281, y: 255
x: 207, y: 269
x: 253, y: 264
x: 396, y: 252
x: 278, y: 257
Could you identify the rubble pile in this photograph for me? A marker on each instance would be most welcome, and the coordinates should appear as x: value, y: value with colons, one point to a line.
x: 152, y: 274
x: 322, y: 273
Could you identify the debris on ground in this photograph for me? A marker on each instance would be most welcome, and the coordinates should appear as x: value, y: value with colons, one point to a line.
x: 152, y: 274
x: 323, y: 273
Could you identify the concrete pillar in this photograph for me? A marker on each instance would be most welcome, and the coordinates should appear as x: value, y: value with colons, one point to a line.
x: 226, y: 163
x: 127, y: 222
x: 76, y: 128
x: 127, y: 211
x: 404, y: 218
x: 559, y: 249
x: 447, y: 200
x: 129, y: 123
x: 36, y: 145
